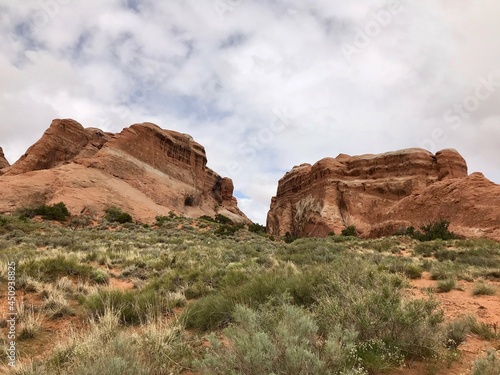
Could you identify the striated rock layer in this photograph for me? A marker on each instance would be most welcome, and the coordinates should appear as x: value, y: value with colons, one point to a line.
x: 380, y: 194
x: 145, y: 170
x: 3, y: 162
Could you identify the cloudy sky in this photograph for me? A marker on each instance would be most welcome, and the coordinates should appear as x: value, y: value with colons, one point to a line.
x: 264, y: 84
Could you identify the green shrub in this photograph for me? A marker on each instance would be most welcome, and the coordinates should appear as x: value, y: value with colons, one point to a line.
x: 412, y: 271
x: 50, y: 269
x: 483, y: 289
x: 57, y: 211
x: 289, y: 238
x: 349, y: 231
x: 428, y: 249
x: 160, y: 220
x: 435, y: 230
x: 488, y: 365
x: 132, y: 307
x: 446, y: 285
x: 116, y: 215
x: 227, y: 230
x: 257, y: 228
x: 279, y: 340
x: 457, y: 331
x: 221, y: 219
x: 99, y: 277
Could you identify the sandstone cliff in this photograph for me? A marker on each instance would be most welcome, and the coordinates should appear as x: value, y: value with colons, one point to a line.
x: 3, y: 162
x: 380, y: 194
x: 145, y: 170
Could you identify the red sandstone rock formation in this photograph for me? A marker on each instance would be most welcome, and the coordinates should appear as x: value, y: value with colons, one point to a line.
x: 145, y: 170
x: 3, y: 162
x: 380, y: 194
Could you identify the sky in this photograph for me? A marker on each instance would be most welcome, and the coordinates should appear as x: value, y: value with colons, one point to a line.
x: 263, y: 85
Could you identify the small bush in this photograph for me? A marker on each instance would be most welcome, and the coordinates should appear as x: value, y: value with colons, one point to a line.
x: 289, y: 238
x: 132, y: 307
x: 488, y: 365
x: 349, y: 231
x: 257, y: 228
x: 412, y: 271
x: 434, y: 231
x: 447, y: 285
x: 227, y: 230
x: 219, y: 218
x: 457, y: 331
x: 100, y: 277
x: 50, y: 269
x: 116, y: 215
x: 280, y: 340
x: 57, y: 211
x: 483, y: 289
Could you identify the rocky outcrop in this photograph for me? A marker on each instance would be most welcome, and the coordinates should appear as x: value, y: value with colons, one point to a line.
x: 144, y: 169
x: 3, y: 162
x: 380, y: 194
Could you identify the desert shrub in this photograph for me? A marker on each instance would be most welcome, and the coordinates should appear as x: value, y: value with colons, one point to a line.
x: 219, y: 218
x: 116, y: 215
x: 371, y: 303
x: 50, y: 269
x: 227, y: 229
x: 446, y: 285
x: 57, y: 211
x: 279, y: 340
x: 257, y: 228
x: 207, y: 218
x: 412, y: 271
x: 216, y: 310
x: 457, y: 331
x: 349, y: 231
x: 483, y: 289
x: 443, y: 270
x: 30, y: 324
x: 488, y: 365
x: 428, y: 249
x: 484, y: 330
x: 435, y: 230
x: 132, y: 307
x: 99, y: 276
x: 161, y: 348
x: 55, y: 304
x: 289, y: 238
x: 160, y: 220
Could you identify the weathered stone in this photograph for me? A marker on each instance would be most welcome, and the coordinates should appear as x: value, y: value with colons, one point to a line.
x: 380, y: 194
x: 144, y: 169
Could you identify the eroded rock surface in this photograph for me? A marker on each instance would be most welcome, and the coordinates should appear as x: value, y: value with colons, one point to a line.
x: 145, y: 170
x: 3, y: 162
x: 380, y: 194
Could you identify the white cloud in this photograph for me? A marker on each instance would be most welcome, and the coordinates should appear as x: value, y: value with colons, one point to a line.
x: 262, y: 85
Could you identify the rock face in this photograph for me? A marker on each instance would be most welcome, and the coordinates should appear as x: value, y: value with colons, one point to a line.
x: 145, y: 170
x: 3, y: 162
x: 380, y: 194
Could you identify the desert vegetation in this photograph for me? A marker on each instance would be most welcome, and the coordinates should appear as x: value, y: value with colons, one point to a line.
x: 206, y: 296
